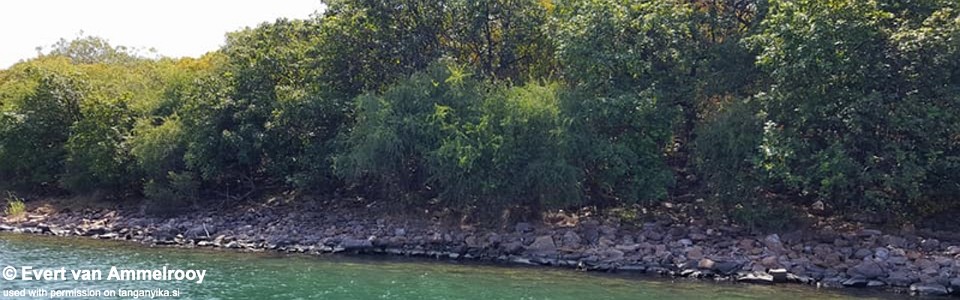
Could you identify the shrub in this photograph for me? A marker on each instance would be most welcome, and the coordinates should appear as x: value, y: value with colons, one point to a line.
x: 394, y: 133
x: 35, y: 129
x: 511, y: 150
x: 15, y: 208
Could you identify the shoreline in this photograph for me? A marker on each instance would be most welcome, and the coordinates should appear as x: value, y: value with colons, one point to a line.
x: 864, y: 258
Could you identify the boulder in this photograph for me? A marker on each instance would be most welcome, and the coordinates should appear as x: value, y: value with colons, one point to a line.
x: 773, y: 243
x: 928, y: 289
x: 856, y: 281
x: 353, y: 244
x: 571, y: 239
x: 755, y: 277
x: 867, y: 269
x: 901, y: 279
x: 706, y: 264
x: 542, y: 245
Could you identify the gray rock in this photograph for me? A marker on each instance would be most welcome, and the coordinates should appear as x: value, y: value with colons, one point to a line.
x: 930, y: 244
x: 901, y: 279
x: 351, y: 244
x: 571, y: 239
x: 881, y: 253
x: 928, y: 289
x: 773, y: 243
x: 955, y: 285
x: 755, y: 277
x: 523, y: 227
x: 727, y: 267
x: 861, y: 253
x: 542, y: 245
x: 867, y: 269
x: 856, y: 281
x: 952, y: 250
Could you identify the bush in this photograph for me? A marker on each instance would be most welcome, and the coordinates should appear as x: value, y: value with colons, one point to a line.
x: 97, y: 158
x: 861, y: 104
x: 511, y: 150
x: 34, y: 130
x: 15, y: 207
x: 394, y: 133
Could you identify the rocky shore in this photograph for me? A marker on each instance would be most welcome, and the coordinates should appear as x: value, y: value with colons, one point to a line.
x: 903, y: 262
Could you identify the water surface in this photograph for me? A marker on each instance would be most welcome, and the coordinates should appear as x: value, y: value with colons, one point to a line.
x: 233, y: 275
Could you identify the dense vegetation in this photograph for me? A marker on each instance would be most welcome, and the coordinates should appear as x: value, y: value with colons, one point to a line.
x: 756, y: 106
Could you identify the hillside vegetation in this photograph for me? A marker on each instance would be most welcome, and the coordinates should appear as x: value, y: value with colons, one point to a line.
x: 755, y: 106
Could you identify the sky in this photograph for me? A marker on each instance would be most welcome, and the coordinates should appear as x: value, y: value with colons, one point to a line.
x: 175, y: 28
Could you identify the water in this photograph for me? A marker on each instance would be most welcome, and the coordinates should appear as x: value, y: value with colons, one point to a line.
x: 232, y: 275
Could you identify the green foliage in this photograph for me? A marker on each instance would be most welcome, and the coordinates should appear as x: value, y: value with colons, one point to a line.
x: 35, y: 127
x: 15, y: 207
x: 394, y: 133
x: 862, y: 100
x: 511, y: 150
x: 481, y: 105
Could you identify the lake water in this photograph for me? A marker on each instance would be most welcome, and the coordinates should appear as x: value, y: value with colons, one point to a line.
x: 233, y: 275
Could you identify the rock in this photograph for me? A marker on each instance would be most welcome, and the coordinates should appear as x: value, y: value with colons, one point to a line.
x: 727, y: 267
x: 928, y: 289
x: 856, y: 281
x: 611, y: 255
x: 353, y: 244
x: 955, y: 285
x: 695, y: 252
x: 698, y: 236
x: 542, y: 245
x: 773, y: 243
x: 706, y: 264
x: 685, y: 242
x: 881, y: 253
x: 875, y: 283
x: 756, y: 277
x: 400, y: 231
x: 653, y: 236
x: 770, y: 262
x: 523, y: 227
x: 930, y: 244
x: 779, y: 275
x: 867, y: 269
x: 513, y: 247
x: 571, y: 239
x: 952, y: 250
x: 900, y: 278
x: 96, y: 230
x: 869, y: 233
x: 861, y: 253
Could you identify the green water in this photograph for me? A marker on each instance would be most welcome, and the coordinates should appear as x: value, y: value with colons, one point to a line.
x: 232, y: 275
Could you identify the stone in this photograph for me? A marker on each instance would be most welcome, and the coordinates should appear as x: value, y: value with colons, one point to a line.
x: 706, y: 264
x: 353, y: 244
x: 756, y: 277
x: 685, y: 242
x: 542, y: 245
x: 867, y: 269
x: 698, y: 237
x: 930, y: 244
x: 928, y: 289
x: 523, y: 227
x: 881, y: 253
x: 571, y: 239
x: 773, y: 243
x: 779, y: 275
x: 952, y: 250
x: 900, y: 278
x: 726, y: 267
x: 955, y: 284
x: 861, y: 253
x: 856, y: 281
x: 695, y: 252
x: 770, y: 262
